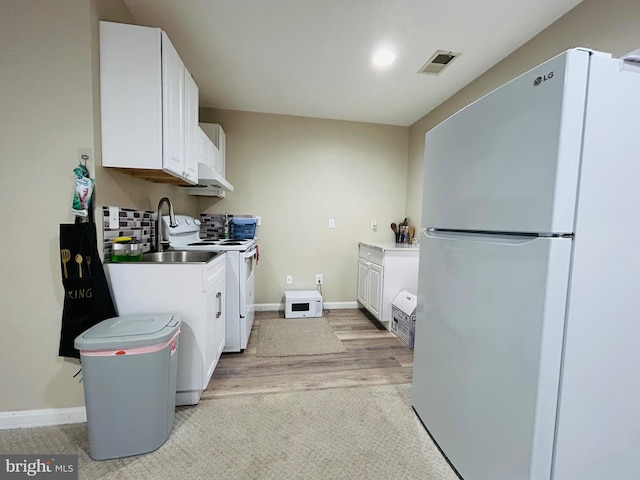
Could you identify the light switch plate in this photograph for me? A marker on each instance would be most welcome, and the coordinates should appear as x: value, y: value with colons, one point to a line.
x: 114, y: 218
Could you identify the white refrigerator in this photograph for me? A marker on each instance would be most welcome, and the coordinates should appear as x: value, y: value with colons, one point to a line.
x: 527, y: 342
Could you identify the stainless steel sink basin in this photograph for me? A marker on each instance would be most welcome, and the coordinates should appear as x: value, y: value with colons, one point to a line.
x: 178, y: 256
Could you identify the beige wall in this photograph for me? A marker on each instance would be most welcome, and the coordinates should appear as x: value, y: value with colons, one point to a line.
x: 609, y: 26
x: 298, y: 172
x: 48, y: 58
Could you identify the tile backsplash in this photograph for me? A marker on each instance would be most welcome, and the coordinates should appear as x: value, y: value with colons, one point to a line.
x: 211, y: 226
x: 133, y: 223
x: 141, y: 225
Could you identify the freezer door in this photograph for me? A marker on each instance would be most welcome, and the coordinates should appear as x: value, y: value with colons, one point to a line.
x: 488, y: 346
x: 509, y: 161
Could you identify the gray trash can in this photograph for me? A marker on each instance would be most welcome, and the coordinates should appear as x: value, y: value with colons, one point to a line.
x: 129, y: 367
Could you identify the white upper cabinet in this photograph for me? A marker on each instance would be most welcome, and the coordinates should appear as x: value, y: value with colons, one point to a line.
x: 149, y: 105
x: 210, y: 181
x: 219, y: 140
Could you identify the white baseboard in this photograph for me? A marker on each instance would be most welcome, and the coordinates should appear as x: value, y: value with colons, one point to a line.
x: 339, y: 305
x: 42, y: 418
x: 61, y: 416
x: 268, y: 307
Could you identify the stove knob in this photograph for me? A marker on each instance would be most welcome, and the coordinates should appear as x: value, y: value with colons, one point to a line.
x: 196, y: 222
x: 186, y: 221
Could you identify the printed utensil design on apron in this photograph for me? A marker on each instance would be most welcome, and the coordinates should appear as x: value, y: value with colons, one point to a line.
x: 79, y: 262
x: 65, y: 253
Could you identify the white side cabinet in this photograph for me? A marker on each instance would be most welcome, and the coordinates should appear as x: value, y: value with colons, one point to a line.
x: 149, y: 105
x: 384, y: 270
x: 195, y: 292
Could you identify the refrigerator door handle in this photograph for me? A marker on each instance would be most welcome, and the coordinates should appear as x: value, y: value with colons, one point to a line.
x: 495, y: 238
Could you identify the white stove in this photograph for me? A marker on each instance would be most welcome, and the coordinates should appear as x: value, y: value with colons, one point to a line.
x: 242, y: 255
x: 186, y: 236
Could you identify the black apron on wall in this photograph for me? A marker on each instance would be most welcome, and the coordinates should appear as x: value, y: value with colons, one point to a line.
x: 87, y: 299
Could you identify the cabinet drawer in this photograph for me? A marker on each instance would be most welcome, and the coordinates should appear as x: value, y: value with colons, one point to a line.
x: 372, y: 254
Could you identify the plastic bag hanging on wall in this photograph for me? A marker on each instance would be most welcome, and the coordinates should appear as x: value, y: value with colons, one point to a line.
x: 83, y: 190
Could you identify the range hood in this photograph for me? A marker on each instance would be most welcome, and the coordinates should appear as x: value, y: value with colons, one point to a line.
x: 210, y: 183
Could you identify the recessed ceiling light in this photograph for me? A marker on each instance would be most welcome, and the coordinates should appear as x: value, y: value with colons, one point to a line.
x: 383, y: 57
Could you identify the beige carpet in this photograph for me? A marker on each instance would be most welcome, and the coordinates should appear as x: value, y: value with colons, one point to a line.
x: 361, y: 433
x: 285, y: 337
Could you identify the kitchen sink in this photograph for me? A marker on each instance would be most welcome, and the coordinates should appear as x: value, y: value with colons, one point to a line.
x: 178, y: 256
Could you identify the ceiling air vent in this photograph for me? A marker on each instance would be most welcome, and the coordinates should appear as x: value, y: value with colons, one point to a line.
x: 438, y: 62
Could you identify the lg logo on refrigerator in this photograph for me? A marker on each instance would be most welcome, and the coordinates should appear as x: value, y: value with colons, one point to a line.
x: 544, y: 78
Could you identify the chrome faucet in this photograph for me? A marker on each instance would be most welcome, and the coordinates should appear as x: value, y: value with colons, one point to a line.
x: 163, y: 244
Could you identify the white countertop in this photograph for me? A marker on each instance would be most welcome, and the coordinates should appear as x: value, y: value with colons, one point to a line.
x: 390, y: 246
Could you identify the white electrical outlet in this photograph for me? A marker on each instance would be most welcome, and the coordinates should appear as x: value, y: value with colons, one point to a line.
x: 374, y: 225
x: 319, y: 279
x: 331, y: 223
x: 258, y: 220
x: 289, y: 279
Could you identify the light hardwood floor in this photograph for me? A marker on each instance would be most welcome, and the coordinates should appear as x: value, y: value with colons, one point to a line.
x: 372, y: 357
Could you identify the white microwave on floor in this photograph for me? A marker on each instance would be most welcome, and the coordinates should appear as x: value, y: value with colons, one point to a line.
x: 302, y: 303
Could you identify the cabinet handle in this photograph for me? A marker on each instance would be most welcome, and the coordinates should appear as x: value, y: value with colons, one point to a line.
x: 219, y: 297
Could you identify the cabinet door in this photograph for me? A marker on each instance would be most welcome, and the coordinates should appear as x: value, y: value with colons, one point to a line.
x: 214, y: 322
x: 211, y: 303
x: 204, y: 150
x: 173, y: 110
x: 220, y: 319
x: 219, y: 145
x: 215, y: 157
x: 131, y: 96
x: 375, y: 289
x: 191, y: 129
x: 363, y: 282
x: 222, y: 147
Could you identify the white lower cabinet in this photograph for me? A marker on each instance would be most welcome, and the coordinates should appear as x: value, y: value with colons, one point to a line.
x: 370, y: 276
x: 382, y: 272
x: 193, y: 291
